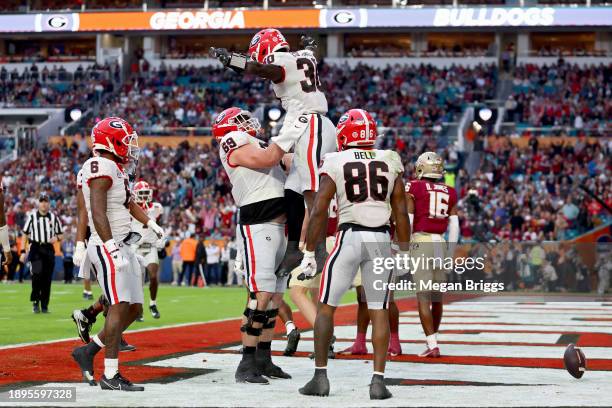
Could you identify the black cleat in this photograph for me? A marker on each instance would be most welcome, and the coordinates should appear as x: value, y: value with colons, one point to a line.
x: 265, y: 366
x: 318, y: 386
x: 119, y: 383
x: 154, y: 311
x: 320, y: 256
x: 293, y: 258
x: 83, y: 325
x: 293, y: 338
x: 331, y: 354
x: 378, y: 389
x: 125, y: 346
x: 140, y: 318
x: 85, y: 360
x: 247, y: 372
x: 35, y: 307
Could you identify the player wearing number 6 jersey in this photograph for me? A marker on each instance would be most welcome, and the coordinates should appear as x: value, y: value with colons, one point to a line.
x: 110, y: 211
x: 306, y: 130
x: 369, y: 189
x: 432, y: 210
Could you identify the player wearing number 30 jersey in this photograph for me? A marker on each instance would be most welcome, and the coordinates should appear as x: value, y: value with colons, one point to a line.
x: 369, y: 189
x: 432, y: 208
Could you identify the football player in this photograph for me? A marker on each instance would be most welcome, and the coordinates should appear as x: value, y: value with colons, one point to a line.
x: 432, y: 210
x: 149, y: 244
x: 306, y: 129
x: 368, y: 187
x: 85, y: 318
x: 259, y: 193
x: 110, y: 210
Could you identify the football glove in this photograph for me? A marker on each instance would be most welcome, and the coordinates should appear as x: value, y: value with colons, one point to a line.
x: 308, y: 266
x: 115, y: 254
x: 307, y: 41
x: 79, y: 253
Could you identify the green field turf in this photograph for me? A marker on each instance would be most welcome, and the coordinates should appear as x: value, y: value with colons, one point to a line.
x: 176, y: 304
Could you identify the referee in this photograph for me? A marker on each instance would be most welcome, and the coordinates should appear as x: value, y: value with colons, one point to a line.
x: 42, y: 229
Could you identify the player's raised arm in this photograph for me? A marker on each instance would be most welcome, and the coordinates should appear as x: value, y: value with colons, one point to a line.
x: 241, y: 63
x: 254, y: 157
x: 400, y: 215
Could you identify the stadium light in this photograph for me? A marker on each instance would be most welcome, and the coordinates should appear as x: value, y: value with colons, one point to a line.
x: 274, y: 114
x: 485, y: 114
x: 75, y: 114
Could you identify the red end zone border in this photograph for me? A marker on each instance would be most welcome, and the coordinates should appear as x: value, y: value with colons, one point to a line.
x: 51, y: 362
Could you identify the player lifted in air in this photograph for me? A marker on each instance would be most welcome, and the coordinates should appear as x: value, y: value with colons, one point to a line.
x: 306, y: 130
x: 431, y: 207
x: 369, y: 189
x: 258, y: 192
x: 110, y: 211
x: 149, y: 243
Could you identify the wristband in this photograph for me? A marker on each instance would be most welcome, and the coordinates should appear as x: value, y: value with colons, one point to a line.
x: 111, y: 246
x: 4, y: 239
x: 309, y: 254
x: 237, y: 61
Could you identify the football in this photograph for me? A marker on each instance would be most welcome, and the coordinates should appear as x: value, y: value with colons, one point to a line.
x: 574, y: 361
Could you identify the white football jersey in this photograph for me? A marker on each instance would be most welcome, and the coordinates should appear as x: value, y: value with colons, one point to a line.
x: 300, y: 90
x: 249, y: 185
x: 117, y: 199
x: 364, y: 182
x: 154, y: 211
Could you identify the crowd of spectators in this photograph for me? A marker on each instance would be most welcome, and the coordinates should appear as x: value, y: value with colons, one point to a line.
x: 413, y: 99
x: 536, y: 193
x: 562, y: 95
x: 34, y: 87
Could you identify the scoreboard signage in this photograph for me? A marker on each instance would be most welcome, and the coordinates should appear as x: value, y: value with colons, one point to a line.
x: 349, y: 18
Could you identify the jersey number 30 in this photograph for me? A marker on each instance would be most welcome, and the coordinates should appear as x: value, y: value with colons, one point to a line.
x: 361, y: 181
x: 312, y: 83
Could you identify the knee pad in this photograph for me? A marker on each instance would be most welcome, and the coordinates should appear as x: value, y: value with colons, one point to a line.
x: 257, y: 316
x: 272, y: 313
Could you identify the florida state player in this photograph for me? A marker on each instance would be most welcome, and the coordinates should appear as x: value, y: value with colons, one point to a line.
x: 306, y: 129
x: 149, y: 243
x: 258, y: 192
x: 432, y: 210
x: 110, y: 211
x: 368, y: 187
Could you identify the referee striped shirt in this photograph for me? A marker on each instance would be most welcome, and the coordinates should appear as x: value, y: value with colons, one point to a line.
x: 42, y: 228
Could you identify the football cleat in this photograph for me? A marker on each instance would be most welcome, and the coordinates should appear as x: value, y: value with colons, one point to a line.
x: 293, y: 338
x: 318, y: 386
x: 119, y: 383
x: 378, y: 389
x: 83, y: 325
x: 265, y: 366
x: 154, y: 311
x: 395, y: 348
x: 35, y: 307
x: 85, y: 361
x: 140, y: 318
x: 293, y: 258
x: 125, y: 346
x: 247, y: 371
x: 357, y: 349
x: 430, y: 353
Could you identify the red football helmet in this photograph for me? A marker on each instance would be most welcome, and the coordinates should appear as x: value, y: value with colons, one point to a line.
x: 266, y: 42
x: 356, y: 128
x: 234, y: 119
x: 143, y: 193
x: 116, y: 136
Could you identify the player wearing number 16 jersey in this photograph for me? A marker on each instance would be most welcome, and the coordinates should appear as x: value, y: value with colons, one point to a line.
x: 368, y: 187
x: 432, y: 210
x: 306, y: 130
